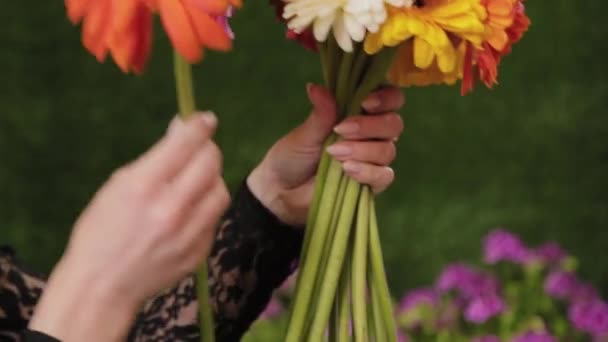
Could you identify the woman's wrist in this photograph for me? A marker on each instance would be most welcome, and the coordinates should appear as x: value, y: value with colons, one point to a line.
x: 77, y: 305
x: 264, y: 185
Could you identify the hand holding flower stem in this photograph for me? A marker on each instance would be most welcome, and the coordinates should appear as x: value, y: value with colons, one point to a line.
x: 187, y: 105
x: 336, y: 255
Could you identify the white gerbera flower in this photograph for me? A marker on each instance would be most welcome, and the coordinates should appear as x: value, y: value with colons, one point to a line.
x: 348, y: 19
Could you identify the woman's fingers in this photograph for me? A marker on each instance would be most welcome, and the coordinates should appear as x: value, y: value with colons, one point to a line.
x: 184, y: 138
x: 387, y: 126
x: 197, y: 176
x: 378, y: 177
x: 374, y: 152
x: 384, y: 100
x: 199, y: 229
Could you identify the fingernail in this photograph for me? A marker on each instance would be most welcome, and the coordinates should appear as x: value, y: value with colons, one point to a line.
x: 371, y: 103
x: 176, y: 125
x: 351, y: 167
x: 339, y: 150
x: 209, y: 119
x: 347, y: 128
x: 309, y: 87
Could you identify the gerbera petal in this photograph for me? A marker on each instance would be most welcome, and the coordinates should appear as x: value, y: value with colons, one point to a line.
x: 96, y: 28
x: 210, y: 33
x: 217, y: 7
x: 341, y: 34
x: 322, y: 27
x: 423, y: 53
x: 76, y: 9
x: 143, y: 41
x: 179, y: 28
x: 355, y: 30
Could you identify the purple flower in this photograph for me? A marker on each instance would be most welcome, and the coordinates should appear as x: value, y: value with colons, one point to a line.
x: 401, y: 337
x: 483, y: 308
x: 590, y: 317
x: 550, y: 253
x: 467, y: 281
x: 532, y: 336
x: 501, y: 245
x: 487, y: 338
x: 410, y: 306
x: 418, y: 297
x: 561, y: 284
x: 273, y: 309
x: 584, y: 292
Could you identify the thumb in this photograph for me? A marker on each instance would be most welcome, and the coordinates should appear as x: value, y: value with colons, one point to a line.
x: 320, y: 123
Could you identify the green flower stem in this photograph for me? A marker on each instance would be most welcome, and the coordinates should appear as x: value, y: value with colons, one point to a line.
x: 206, y: 315
x: 359, y: 65
x: 359, y: 271
x: 323, y: 55
x: 322, y: 170
x: 379, y: 276
x: 335, y: 262
x: 327, y: 245
x: 309, y: 269
x: 333, y: 60
x: 373, y: 77
x: 183, y: 86
x: 343, y: 300
x: 335, y: 217
x: 185, y: 100
x: 343, y: 85
x: 370, y: 323
x: 377, y: 327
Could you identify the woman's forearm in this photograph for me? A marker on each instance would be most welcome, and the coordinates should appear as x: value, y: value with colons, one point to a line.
x: 77, y: 306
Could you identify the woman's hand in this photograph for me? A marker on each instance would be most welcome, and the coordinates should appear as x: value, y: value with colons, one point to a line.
x: 148, y: 227
x: 283, y: 182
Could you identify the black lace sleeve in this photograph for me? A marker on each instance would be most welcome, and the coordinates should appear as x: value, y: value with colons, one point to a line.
x: 252, y: 255
x: 20, y: 290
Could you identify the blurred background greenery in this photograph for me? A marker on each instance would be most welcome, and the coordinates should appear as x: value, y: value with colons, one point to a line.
x: 530, y: 155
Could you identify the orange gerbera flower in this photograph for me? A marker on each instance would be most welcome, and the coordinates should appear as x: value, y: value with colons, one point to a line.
x: 123, y: 28
x: 505, y: 25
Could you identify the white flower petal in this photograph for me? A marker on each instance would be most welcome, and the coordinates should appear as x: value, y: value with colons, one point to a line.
x: 322, y: 27
x: 349, y: 19
x: 354, y: 28
x: 341, y: 34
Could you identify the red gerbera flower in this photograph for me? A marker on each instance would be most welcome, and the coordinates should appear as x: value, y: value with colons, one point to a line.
x: 505, y: 25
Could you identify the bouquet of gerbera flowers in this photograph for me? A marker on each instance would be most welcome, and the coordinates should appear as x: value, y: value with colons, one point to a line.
x: 362, y: 43
x: 123, y: 29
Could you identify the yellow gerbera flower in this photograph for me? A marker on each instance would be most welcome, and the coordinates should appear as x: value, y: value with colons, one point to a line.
x: 431, y: 39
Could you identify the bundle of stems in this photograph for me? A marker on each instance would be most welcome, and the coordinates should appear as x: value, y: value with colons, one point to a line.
x: 342, y: 292
x: 187, y: 106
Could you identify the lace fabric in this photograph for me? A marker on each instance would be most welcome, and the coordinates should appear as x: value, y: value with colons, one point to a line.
x: 252, y: 255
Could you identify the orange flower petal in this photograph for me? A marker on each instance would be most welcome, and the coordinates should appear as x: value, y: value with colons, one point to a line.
x: 217, y: 7
x: 210, y: 33
x: 499, y: 40
x: 96, y: 28
x: 468, y: 81
x: 77, y: 9
x: 130, y: 44
x: 179, y: 28
x: 143, y: 45
x: 123, y: 12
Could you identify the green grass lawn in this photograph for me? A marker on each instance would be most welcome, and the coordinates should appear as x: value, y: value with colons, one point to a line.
x: 530, y: 155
